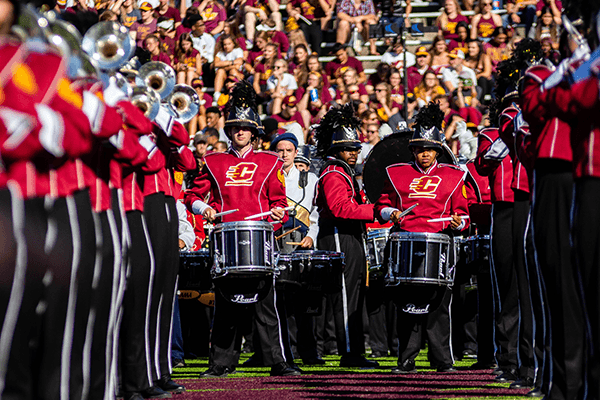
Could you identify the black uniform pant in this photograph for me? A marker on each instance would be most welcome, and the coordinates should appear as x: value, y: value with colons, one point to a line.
x: 105, y: 287
x: 232, y: 321
x: 348, y: 303
x: 134, y: 339
x: 505, y: 286
x: 165, y: 286
x: 586, y: 243
x: 563, y: 354
x: 159, y: 230
x: 435, y: 325
x: 522, y: 260
x: 382, y: 318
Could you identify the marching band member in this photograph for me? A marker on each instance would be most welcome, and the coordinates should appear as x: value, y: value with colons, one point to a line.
x: 251, y: 182
x: 440, y: 191
x: 342, y: 218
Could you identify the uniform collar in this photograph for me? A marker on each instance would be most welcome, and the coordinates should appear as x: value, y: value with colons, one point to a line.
x: 426, y: 172
x: 292, y: 172
x: 238, y: 154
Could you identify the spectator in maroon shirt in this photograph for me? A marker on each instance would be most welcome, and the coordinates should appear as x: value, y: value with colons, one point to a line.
x: 415, y: 72
x: 462, y: 31
x: 289, y: 114
x: 169, y: 13
x: 276, y: 36
x: 555, y: 5
x: 152, y: 44
x: 166, y: 33
x: 382, y: 72
x: 335, y: 68
x: 313, y: 11
x: 449, y: 18
x: 188, y: 63
x: 300, y: 58
x: 357, y: 14
x: 264, y: 69
x: 147, y: 25
x: 313, y: 110
x: 214, y: 16
x: 312, y: 64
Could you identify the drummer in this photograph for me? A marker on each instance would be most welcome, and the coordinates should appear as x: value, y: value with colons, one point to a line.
x: 251, y: 182
x: 440, y: 191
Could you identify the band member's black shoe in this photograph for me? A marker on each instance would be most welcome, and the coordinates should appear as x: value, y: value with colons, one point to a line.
x: 283, y: 369
x: 357, y: 362
x: 446, y: 368
x: 154, y: 392
x: 407, y: 367
x: 169, y: 385
x: 313, y: 361
x: 508, y: 376
x: 132, y: 396
x: 216, y: 371
x: 497, y: 371
x: 526, y: 383
x: 537, y: 392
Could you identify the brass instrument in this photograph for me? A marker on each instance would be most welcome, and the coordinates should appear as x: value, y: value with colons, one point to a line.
x: 146, y: 100
x: 184, y: 102
x: 158, y: 76
x: 108, y: 44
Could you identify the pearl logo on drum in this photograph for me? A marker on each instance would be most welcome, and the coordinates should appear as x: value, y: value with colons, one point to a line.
x: 241, y: 299
x: 412, y: 309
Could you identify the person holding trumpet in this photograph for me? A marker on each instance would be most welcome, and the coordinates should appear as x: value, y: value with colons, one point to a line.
x: 441, y: 194
x: 252, y: 182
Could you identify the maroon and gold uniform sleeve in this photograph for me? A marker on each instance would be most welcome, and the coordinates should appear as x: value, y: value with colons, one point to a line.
x: 183, y: 160
x: 340, y: 202
x: 388, y: 198
x: 485, y: 166
x: 200, y: 190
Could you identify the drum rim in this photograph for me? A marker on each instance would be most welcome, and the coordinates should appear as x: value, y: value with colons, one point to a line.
x: 431, y: 236
x: 201, y: 252
x: 247, y: 225
x: 378, y: 233
x: 320, y: 254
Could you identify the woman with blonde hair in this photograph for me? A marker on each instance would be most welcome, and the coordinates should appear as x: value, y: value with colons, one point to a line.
x: 428, y: 89
x: 383, y: 104
x: 314, y: 99
x: 188, y: 62
x: 449, y: 18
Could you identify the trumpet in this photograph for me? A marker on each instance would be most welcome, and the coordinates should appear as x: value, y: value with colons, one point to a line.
x: 184, y: 102
x: 158, y: 76
x: 108, y: 44
x: 146, y: 100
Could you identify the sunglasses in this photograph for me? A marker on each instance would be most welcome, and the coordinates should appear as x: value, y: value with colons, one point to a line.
x: 372, y: 132
x: 487, y: 4
x: 278, y: 67
x: 353, y: 91
x: 380, y: 90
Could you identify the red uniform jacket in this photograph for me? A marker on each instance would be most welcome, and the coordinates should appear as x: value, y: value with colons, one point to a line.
x: 440, y: 192
x: 336, y: 197
x: 507, y: 133
x: 500, y: 174
x: 579, y: 106
x: 252, y: 182
x: 551, y: 135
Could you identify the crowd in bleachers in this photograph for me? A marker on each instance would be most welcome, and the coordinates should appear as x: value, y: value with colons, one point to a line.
x: 280, y: 48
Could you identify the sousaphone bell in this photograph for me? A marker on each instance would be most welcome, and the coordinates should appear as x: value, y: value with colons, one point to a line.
x: 108, y: 44
x: 146, y: 100
x: 184, y: 102
x: 158, y: 76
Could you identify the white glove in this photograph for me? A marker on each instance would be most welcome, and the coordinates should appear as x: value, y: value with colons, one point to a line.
x: 461, y: 128
x: 497, y: 151
x: 112, y: 94
x: 164, y: 120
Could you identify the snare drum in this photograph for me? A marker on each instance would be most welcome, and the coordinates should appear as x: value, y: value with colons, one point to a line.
x: 321, y: 269
x: 476, y: 248
x: 376, y: 241
x: 194, y: 271
x: 290, y: 271
x: 420, y: 258
x: 243, y: 248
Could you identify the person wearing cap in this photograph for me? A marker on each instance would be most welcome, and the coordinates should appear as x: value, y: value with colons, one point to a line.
x: 415, y: 72
x: 457, y: 72
x: 250, y: 182
x: 336, y: 68
x: 440, y: 191
x: 147, y: 25
x: 128, y: 14
x: 280, y: 84
x: 342, y: 218
x: 200, y: 147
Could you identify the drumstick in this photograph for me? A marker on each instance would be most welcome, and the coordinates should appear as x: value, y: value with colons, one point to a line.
x: 294, y: 243
x: 409, y: 209
x: 446, y: 219
x: 287, y: 233
x: 267, y: 213
x: 225, y: 213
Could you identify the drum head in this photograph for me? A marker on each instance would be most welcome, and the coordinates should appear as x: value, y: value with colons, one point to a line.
x: 244, y: 289
x: 418, y: 299
x: 392, y: 150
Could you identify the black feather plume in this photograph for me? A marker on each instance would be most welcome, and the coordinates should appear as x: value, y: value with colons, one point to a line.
x: 429, y: 116
x: 335, y: 118
x: 527, y: 51
x: 242, y: 96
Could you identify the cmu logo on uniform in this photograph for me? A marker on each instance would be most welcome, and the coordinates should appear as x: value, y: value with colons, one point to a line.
x: 241, y: 174
x: 424, y: 187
